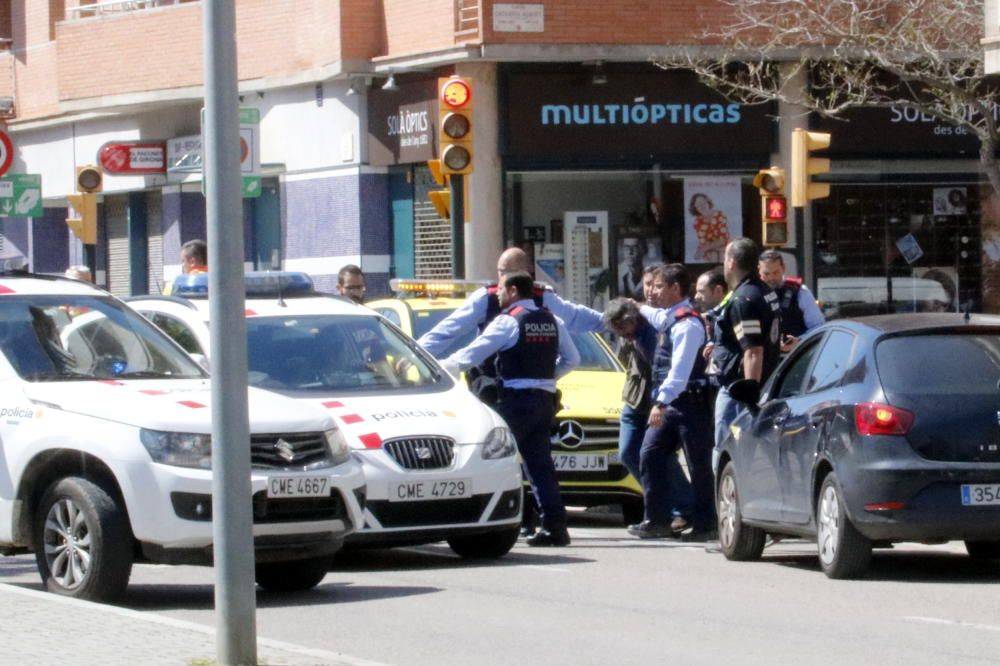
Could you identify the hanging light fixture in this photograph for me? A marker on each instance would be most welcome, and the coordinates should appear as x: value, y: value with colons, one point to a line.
x: 390, y: 83
x: 599, y: 78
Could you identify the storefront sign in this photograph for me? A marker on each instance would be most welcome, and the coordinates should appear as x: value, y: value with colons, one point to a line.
x: 641, y: 112
x: 897, y: 132
x: 402, y: 123
x: 127, y: 157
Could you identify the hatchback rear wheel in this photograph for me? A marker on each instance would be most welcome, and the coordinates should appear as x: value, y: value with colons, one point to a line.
x: 739, y: 542
x: 843, y: 551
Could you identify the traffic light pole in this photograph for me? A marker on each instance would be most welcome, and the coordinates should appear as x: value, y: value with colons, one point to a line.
x: 458, y: 226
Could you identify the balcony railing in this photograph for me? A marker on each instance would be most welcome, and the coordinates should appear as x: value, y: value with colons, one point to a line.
x: 114, y: 7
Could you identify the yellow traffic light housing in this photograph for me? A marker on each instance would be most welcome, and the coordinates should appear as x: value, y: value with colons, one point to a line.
x: 804, y: 166
x: 435, y: 167
x: 773, y: 205
x: 82, y: 216
x: 89, y: 178
x: 442, y: 202
x: 455, y: 125
x: 770, y: 181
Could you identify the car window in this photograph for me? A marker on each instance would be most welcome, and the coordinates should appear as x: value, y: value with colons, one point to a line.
x: 832, y: 362
x: 335, y: 353
x: 789, y: 384
x: 177, y: 330
x: 56, y: 338
x: 952, y: 364
x: 391, y: 315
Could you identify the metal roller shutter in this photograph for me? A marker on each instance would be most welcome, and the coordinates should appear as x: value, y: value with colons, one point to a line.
x: 154, y: 230
x: 116, y: 219
x: 431, y: 233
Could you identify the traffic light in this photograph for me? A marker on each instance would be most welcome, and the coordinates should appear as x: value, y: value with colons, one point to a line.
x: 435, y: 167
x: 455, y: 125
x: 89, y: 178
x: 773, y: 205
x: 82, y: 216
x: 804, y: 166
x: 442, y: 202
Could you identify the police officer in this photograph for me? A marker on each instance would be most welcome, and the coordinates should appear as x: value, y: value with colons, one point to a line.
x: 799, y: 312
x: 680, y: 415
x: 480, y: 308
x: 533, y: 349
x: 748, y: 332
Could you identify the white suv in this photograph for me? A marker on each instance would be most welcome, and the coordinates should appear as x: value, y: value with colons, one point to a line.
x: 105, y: 451
x: 439, y: 464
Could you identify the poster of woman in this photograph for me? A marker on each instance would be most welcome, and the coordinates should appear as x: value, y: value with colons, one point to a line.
x: 713, y: 217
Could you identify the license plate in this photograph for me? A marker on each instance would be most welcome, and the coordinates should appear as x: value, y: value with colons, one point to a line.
x: 981, y: 494
x: 416, y: 491
x: 580, y: 462
x: 298, y: 486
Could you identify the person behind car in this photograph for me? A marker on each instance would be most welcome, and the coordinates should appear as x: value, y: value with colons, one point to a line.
x: 533, y: 350
x: 194, y: 257
x: 799, y: 311
x: 680, y: 415
x: 351, y: 283
x: 748, y: 335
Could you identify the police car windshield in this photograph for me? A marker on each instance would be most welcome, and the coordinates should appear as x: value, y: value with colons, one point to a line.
x: 335, y: 353
x: 57, y: 338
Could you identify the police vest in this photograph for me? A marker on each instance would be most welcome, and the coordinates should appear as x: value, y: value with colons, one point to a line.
x: 537, y: 348
x: 663, y: 358
x: 793, y: 321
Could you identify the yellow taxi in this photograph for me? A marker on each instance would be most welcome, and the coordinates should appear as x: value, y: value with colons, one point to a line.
x: 585, y: 434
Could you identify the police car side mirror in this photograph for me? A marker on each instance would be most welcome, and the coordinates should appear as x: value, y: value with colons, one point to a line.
x: 746, y: 391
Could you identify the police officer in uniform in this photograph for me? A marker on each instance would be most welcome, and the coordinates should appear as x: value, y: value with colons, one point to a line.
x: 799, y: 312
x: 748, y: 332
x: 680, y: 416
x: 533, y: 349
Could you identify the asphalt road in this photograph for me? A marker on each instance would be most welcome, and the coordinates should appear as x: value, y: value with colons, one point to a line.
x: 610, y: 599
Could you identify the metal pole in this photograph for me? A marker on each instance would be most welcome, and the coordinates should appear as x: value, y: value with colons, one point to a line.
x: 232, y: 522
x: 457, y: 226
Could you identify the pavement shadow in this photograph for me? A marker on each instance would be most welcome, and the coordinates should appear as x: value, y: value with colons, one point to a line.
x: 202, y: 597
x: 907, y: 567
x: 440, y: 556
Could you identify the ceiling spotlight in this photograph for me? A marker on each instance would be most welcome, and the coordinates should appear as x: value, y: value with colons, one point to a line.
x: 390, y: 83
x: 353, y: 89
x: 599, y: 78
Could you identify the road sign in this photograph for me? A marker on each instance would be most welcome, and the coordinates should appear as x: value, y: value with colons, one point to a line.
x: 21, y: 195
x: 6, y: 152
x: 128, y: 157
x: 184, y: 153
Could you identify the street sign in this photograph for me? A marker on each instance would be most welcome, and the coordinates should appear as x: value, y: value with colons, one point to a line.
x: 6, y: 152
x: 128, y: 157
x: 184, y: 153
x: 21, y: 195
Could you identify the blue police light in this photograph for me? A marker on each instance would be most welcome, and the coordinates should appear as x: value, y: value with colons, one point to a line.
x: 259, y: 284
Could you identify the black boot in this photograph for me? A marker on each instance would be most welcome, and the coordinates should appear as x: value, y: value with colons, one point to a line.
x: 557, y: 536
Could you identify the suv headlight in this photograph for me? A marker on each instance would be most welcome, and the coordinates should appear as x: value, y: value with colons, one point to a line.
x: 340, y: 452
x: 499, y: 443
x: 181, y: 449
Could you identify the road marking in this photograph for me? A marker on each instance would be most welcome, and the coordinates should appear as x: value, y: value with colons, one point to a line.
x: 953, y: 623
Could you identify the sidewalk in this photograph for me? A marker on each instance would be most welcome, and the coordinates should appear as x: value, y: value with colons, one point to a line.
x: 45, y: 629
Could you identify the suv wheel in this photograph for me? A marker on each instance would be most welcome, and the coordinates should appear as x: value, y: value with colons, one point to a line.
x: 487, y: 546
x: 292, y: 576
x: 83, y: 542
x: 983, y: 550
x: 843, y: 551
x: 737, y: 540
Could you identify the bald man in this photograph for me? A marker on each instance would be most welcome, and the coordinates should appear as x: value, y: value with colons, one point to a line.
x: 483, y: 305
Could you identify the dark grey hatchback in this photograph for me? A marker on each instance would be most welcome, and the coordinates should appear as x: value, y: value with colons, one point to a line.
x: 872, y: 431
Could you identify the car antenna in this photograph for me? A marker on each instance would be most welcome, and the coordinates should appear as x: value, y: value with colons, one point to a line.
x: 968, y: 308
x: 281, y: 295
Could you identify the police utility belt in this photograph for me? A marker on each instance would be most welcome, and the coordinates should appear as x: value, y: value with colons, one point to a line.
x: 698, y: 390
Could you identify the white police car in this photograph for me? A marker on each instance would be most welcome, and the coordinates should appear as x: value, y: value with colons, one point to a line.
x: 105, y: 451
x: 438, y: 463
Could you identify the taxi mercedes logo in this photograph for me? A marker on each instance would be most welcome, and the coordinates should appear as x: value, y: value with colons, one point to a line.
x: 570, y: 434
x: 285, y: 450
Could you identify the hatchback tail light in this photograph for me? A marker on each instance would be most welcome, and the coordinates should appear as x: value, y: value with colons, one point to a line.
x: 871, y: 418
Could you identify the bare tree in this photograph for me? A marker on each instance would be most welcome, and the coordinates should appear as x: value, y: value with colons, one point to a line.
x: 917, y: 54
